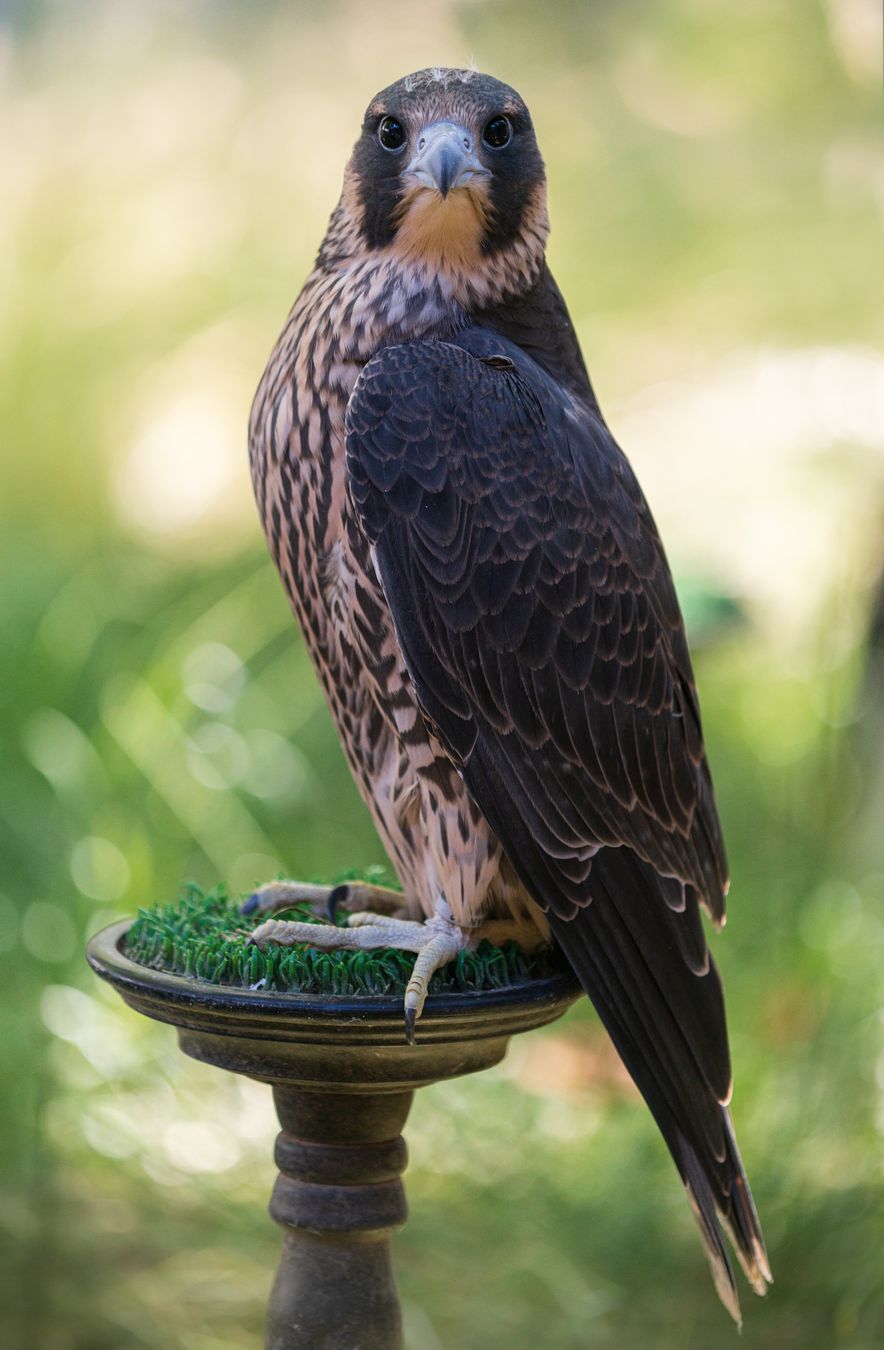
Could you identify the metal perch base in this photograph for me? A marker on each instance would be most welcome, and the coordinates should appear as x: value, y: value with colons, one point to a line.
x: 343, y: 1080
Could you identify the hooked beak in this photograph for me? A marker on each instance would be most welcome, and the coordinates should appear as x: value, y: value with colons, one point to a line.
x: 444, y: 158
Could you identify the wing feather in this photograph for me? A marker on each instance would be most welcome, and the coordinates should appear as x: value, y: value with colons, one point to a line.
x: 538, y: 619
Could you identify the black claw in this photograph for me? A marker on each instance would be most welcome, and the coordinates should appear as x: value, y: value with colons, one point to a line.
x: 336, y: 896
x: 410, y: 1019
x: 249, y: 906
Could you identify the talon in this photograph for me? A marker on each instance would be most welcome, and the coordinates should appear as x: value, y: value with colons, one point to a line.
x: 436, y: 942
x: 336, y: 897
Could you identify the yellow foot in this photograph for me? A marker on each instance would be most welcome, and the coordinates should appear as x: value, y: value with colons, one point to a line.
x: 436, y: 941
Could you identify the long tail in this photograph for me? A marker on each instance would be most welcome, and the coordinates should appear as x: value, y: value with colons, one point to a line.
x: 636, y: 957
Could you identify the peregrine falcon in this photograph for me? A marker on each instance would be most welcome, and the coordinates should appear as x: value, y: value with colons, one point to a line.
x: 488, y: 605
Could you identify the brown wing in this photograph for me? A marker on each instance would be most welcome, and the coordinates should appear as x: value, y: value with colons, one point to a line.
x: 536, y: 612
x: 518, y: 536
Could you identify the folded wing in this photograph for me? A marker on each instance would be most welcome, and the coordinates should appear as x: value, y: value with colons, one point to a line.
x: 538, y: 619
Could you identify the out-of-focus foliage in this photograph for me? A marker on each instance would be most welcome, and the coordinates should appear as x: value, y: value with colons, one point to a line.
x: 717, y: 190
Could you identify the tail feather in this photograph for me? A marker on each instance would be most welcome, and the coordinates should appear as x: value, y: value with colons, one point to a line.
x: 666, y: 1021
x: 742, y: 1224
x: 702, y: 1203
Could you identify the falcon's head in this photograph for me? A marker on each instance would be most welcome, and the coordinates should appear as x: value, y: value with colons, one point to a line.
x: 447, y: 182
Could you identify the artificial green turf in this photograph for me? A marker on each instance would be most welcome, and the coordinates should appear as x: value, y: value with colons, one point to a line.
x: 204, y: 936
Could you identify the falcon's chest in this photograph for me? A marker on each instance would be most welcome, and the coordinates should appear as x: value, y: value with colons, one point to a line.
x: 297, y: 462
x: 299, y: 475
x: 298, y: 456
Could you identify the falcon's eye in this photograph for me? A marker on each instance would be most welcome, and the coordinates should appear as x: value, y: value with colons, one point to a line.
x: 391, y: 134
x: 498, y: 133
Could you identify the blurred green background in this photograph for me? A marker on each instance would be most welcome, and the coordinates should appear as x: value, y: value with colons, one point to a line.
x: 717, y: 187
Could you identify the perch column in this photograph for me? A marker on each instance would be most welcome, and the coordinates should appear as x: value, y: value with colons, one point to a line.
x: 339, y: 1198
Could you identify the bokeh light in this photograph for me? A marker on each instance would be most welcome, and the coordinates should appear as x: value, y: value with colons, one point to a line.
x: 717, y: 190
